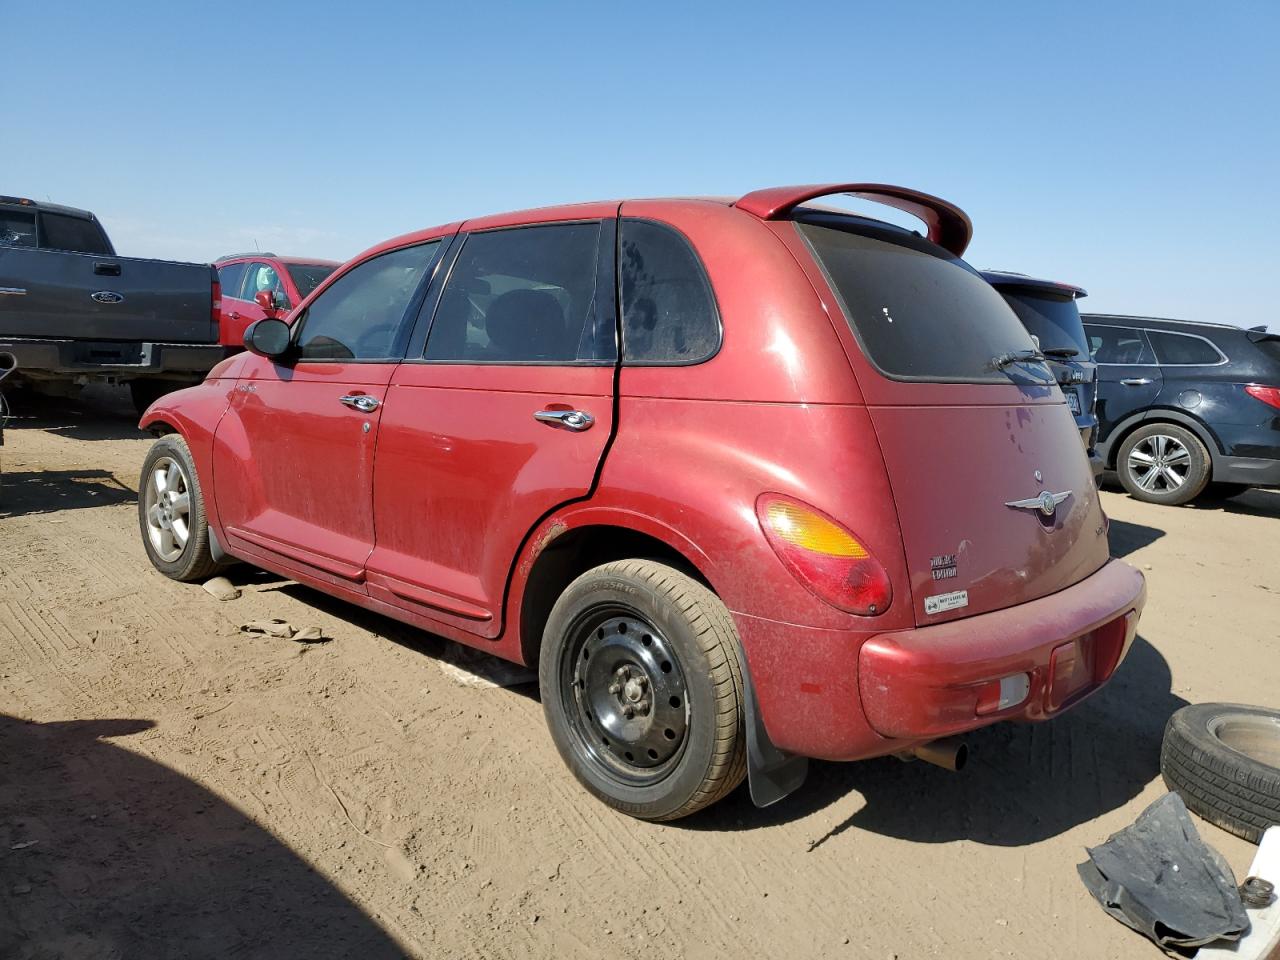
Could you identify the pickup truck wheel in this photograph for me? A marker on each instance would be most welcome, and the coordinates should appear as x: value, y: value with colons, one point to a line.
x: 1163, y: 463
x: 642, y: 689
x: 171, y: 515
x: 1223, y: 759
x: 146, y: 392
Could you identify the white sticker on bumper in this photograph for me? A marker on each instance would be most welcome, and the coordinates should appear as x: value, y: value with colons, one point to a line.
x: 946, y: 601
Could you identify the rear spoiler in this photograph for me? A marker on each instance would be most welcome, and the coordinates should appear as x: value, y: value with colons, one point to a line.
x: 1259, y: 334
x: 949, y: 226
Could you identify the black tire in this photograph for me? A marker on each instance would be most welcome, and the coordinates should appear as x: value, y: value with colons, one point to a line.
x: 145, y: 392
x: 190, y: 558
x: 1151, y: 484
x: 655, y: 629
x: 1223, y: 759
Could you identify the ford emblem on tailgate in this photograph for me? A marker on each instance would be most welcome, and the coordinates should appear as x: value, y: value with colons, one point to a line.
x: 106, y: 296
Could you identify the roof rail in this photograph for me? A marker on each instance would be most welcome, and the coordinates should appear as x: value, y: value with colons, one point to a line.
x: 949, y: 226
x: 1130, y: 317
x: 242, y: 256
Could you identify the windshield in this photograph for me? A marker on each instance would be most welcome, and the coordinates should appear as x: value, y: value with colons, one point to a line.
x: 918, y: 312
x: 308, y: 276
x: 1055, y: 321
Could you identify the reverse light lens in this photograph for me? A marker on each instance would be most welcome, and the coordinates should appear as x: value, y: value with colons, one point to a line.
x: 1268, y: 395
x: 828, y: 559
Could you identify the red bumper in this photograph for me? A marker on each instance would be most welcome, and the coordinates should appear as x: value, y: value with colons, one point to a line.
x: 935, y: 681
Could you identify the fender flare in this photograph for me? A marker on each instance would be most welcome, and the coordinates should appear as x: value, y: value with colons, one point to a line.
x: 1109, y: 447
x: 772, y: 774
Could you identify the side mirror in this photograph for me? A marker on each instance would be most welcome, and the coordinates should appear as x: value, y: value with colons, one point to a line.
x: 270, y: 338
x: 266, y: 299
x: 8, y: 363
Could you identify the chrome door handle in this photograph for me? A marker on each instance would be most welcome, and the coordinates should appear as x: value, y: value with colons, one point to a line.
x: 1136, y: 381
x: 573, y: 419
x: 360, y: 401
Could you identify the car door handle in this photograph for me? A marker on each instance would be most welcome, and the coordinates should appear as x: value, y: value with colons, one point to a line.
x: 360, y: 401
x: 233, y: 315
x: 573, y: 419
x: 1136, y: 381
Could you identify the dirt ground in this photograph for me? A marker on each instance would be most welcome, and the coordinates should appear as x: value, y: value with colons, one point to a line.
x: 171, y: 787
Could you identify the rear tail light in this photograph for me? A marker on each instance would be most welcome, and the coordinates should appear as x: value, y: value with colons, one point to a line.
x: 217, y: 304
x: 1268, y: 395
x: 829, y: 560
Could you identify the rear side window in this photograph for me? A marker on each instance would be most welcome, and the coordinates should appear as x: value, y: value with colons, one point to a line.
x: 668, y: 312
x: 918, y: 312
x: 361, y: 315
x: 525, y: 295
x: 231, y: 276
x: 1054, y: 321
x: 1175, y: 348
x: 1120, y: 346
x: 60, y: 232
x: 17, y: 228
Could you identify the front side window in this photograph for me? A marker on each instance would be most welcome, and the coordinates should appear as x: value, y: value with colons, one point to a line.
x: 17, y: 228
x: 669, y: 314
x: 918, y: 312
x: 263, y: 276
x: 59, y: 232
x: 1175, y: 348
x: 362, y: 314
x: 1120, y: 346
x: 524, y: 295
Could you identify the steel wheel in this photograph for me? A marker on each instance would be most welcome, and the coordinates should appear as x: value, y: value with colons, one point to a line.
x: 623, y: 691
x: 1159, y: 463
x: 167, y: 508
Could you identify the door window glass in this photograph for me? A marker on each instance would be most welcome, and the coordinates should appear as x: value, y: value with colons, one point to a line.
x: 524, y: 295
x: 263, y: 276
x: 1120, y: 346
x: 77, y: 234
x: 231, y: 276
x: 668, y: 311
x: 1174, y: 348
x: 360, y: 316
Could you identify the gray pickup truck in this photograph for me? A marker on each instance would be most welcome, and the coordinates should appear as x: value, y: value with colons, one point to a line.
x: 72, y: 311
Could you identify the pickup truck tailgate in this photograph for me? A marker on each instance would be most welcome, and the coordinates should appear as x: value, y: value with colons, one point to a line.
x: 53, y: 294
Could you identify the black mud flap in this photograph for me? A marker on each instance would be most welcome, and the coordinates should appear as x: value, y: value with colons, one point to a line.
x: 771, y: 773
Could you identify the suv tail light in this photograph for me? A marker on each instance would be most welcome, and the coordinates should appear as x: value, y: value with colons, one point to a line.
x: 1268, y: 395
x: 829, y: 560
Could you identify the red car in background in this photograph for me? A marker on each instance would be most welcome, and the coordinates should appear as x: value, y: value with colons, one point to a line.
x: 284, y: 282
x: 749, y: 481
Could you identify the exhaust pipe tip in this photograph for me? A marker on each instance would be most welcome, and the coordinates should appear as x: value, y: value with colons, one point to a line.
x: 950, y: 753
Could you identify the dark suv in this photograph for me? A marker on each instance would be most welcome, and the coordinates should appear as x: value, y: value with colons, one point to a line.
x: 1048, y: 310
x: 1182, y: 405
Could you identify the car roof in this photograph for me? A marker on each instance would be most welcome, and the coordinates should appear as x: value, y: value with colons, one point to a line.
x: 1128, y: 320
x: 1008, y: 280
x: 23, y: 202
x: 305, y: 261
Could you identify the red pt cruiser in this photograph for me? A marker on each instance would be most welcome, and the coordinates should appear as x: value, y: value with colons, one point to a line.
x: 748, y: 481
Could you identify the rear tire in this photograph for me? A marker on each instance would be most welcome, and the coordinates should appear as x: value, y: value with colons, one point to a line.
x: 641, y: 636
x: 1223, y: 759
x: 171, y: 517
x: 1163, y: 463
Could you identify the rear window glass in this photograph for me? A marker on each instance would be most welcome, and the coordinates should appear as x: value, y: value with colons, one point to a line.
x: 1054, y: 321
x: 525, y: 295
x: 919, y: 313
x: 668, y: 312
x: 72, y: 233
x: 307, y: 276
x: 1121, y: 346
x: 1174, y: 348
x: 17, y: 229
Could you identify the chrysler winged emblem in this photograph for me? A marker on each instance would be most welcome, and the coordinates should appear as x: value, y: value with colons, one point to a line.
x: 1046, y: 503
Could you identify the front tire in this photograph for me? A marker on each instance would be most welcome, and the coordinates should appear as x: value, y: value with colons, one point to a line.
x: 1163, y: 463
x: 171, y: 513
x: 642, y: 689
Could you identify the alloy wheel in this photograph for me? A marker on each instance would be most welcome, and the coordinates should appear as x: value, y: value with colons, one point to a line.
x: 1159, y: 463
x: 168, y: 508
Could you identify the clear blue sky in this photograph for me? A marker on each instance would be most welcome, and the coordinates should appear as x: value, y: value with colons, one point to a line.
x: 1130, y: 148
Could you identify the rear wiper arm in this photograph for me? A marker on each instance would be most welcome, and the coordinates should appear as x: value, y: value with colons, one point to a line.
x: 1066, y: 353
x: 1016, y: 356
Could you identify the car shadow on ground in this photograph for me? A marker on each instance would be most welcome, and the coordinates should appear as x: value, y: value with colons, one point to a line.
x: 1255, y: 502
x: 100, y: 412
x: 104, y: 854
x: 50, y: 491
x: 1126, y: 538
x: 1024, y: 782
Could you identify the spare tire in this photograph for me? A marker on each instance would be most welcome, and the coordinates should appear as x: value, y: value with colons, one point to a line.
x: 1223, y: 759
